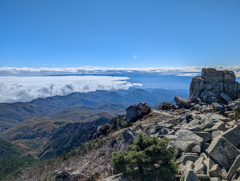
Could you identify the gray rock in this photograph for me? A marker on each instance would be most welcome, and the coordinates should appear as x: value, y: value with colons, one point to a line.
x: 196, y: 149
x: 226, y: 97
x: 216, y: 106
x: 63, y: 176
x: 219, y: 126
x: 183, y: 146
x: 204, y: 135
x: 137, y: 111
x: 208, y: 122
x: 167, y: 106
x: 222, y: 151
x: 203, y: 155
x: 208, y: 163
x: 199, y: 166
x: 216, y: 134
x: 189, y: 176
x: 188, y: 157
x: 182, y: 102
x: 233, y: 135
x: 215, y: 171
x: 233, y: 104
x: 229, y: 76
x: 186, y: 135
x: 75, y: 176
x: 188, y: 166
x: 214, y: 86
x: 156, y: 129
x: 163, y: 131
x: 223, y: 172
x: 118, y: 177
x: 128, y: 139
x: 214, y: 179
x: 234, y: 168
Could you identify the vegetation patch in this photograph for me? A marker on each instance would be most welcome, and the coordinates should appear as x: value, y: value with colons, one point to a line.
x: 147, y: 159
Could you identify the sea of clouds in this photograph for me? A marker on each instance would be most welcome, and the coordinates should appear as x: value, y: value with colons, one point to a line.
x: 25, y: 84
x: 24, y: 89
x: 178, y: 71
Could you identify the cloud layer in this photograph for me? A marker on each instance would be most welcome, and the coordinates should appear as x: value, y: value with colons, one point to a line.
x: 179, y: 71
x: 23, y: 89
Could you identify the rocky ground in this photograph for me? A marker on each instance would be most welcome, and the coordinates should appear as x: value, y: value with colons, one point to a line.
x: 207, y: 145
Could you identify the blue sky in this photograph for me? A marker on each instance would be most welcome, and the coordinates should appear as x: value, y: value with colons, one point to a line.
x: 119, y: 33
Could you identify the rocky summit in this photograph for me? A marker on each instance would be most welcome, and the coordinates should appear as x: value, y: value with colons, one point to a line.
x: 207, y: 143
x: 214, y: 86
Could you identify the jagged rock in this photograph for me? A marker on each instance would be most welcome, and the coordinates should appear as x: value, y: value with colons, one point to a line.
x: 216, y: 106
x: 189, y: 176
x: 219, y: 126
x: 96, y: 135
x: 233, y: 135
x: 167, y: 106
x: 222, y: 151
x: 204, y: 135
x: 128, y: 139
x: 220, y: 118
x: 199, y: 166
x: 186, y: 135
x: 215, y: 171
x: 208, y: 122
x: 118, y: 177
x: 214, y: 86
x: 196, y: 149
x: 184, y: 146
x: 188, y: 166
x: 188, y: 156
x: 234, y: 168
x: 223, y: 172
x: 165, y: 125
x: 216, y: 134
x: 208, y: 163
x: 203, y: 155
x: 75, y: 176
x: 235, y: 103
x: 137, y: 111
x: 182, y: 102
x: 163, y: 131
x: 63, y: 176
x: 156, y: 129
x: 93, y: 177
x: 112, y: 143
x: 226, y: 97
x: 215, y: 179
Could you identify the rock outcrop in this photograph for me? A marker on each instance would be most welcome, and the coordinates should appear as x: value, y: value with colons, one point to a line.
x: 137, y: 111
x: 214, y: 86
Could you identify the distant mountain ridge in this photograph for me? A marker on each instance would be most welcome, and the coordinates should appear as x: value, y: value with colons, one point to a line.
x: 94, y: 103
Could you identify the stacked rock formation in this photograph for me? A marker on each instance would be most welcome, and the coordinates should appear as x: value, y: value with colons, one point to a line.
x: 214, y: 86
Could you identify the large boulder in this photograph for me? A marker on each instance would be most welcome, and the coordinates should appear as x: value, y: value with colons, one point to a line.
x: 128, y: 139
x: 182, y: 102
x: 189, y: 176
x: 63, y: 176
x: 214, y: 86
x: 186, y: 135
x: 222, y: 151
x: 234, y: 168
x: 118, y: 177
x: 137, y: 111
x: 233, y: 135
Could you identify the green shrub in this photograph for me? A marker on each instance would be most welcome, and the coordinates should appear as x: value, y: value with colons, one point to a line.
x: 147, y: 159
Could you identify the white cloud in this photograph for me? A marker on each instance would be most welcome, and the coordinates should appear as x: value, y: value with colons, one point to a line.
x: 43, y: 71
x: 135, y: 56
x: 24, y: 89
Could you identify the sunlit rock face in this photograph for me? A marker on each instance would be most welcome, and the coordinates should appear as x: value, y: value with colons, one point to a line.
x: 214, y: 86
